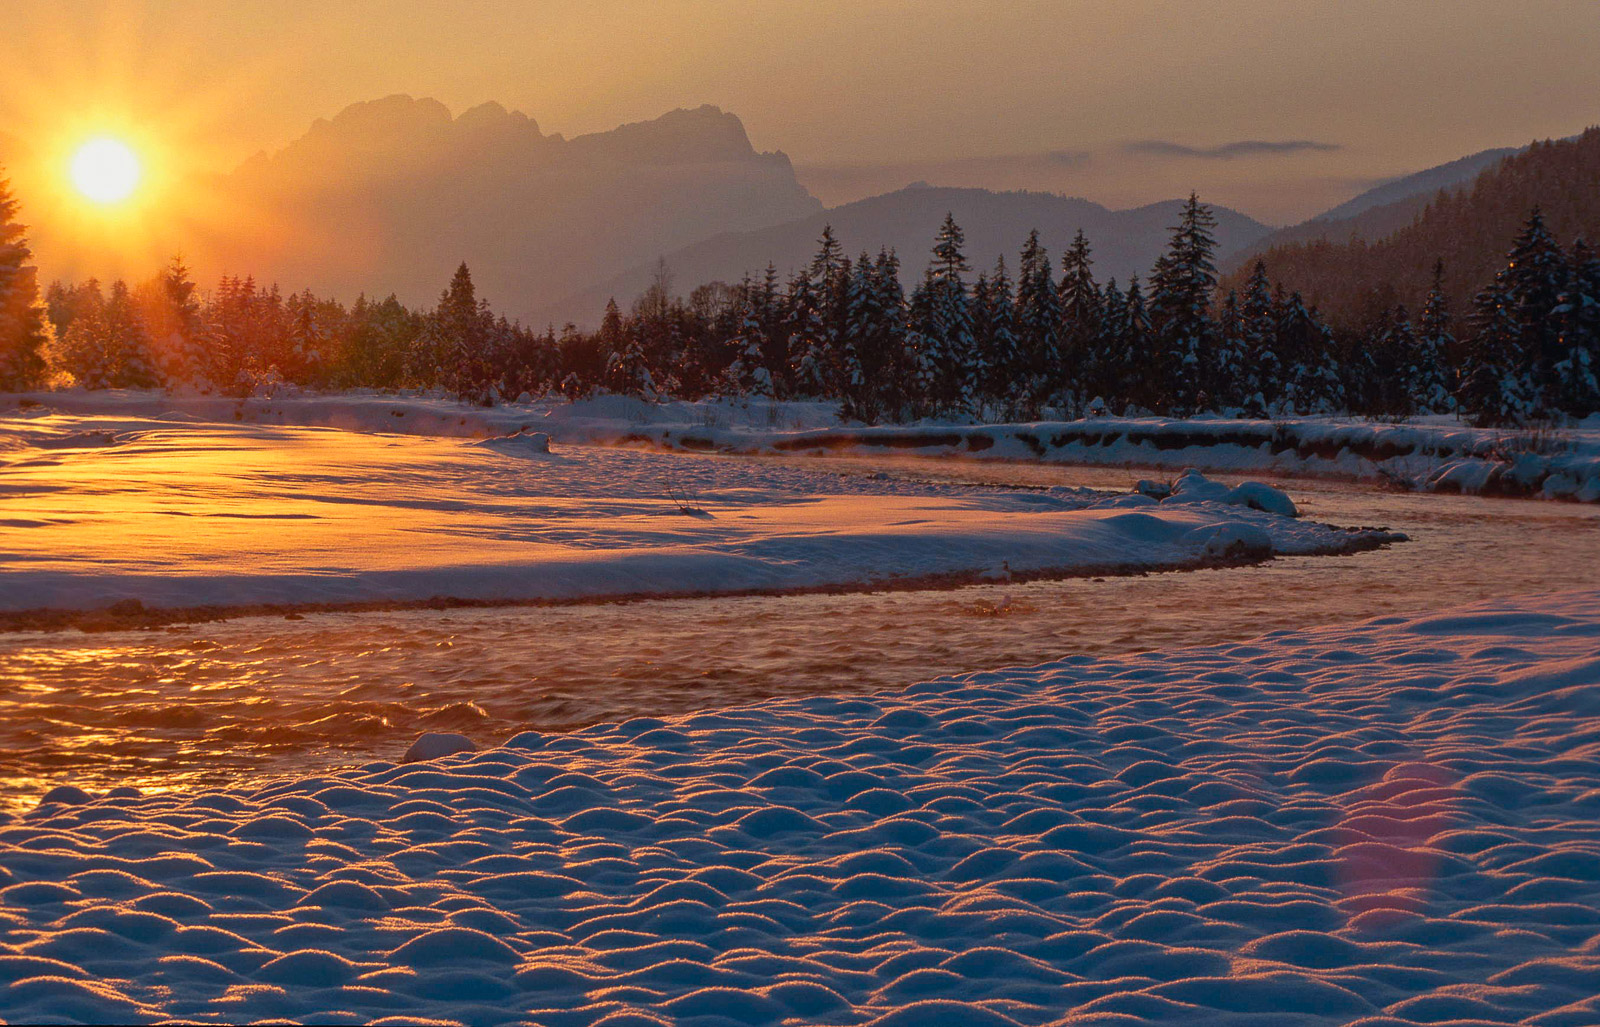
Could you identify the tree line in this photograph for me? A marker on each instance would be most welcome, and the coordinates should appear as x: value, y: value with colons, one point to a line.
x: 1039, y: 343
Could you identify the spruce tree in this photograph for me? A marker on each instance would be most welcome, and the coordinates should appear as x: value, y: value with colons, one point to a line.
x: 627, y: 372
x: 747, y: 375
x: 22, y: 323
x: 1496, y: 388
x: 1428, y: 375
x: 172, y: 315
x: 1577, y: 372
x: 1079, y: 300
x: 1106, y: 370
x: 1314, y: 381
x: 1038, y: 321
x: 948, y: 331
x: 1143, y: 376
x: 1180, y: 307
x: 1535, y: 280
x: 1257, y: 365
x: 1003, y: 351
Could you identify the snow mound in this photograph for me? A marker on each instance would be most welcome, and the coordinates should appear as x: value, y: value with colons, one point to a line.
x: 1395, y: 822
x: 433, y: 745
x: 1193, y: 487
x: 521, y: 443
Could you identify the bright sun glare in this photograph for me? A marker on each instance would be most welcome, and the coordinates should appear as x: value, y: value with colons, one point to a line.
x: 105, y: 170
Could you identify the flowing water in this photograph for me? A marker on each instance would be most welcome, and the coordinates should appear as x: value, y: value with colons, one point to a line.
x: 254, y: 698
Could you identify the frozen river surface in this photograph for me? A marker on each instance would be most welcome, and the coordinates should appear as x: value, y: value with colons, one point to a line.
x: 234, y: 701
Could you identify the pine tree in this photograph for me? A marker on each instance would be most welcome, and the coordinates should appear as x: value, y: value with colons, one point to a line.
x: 1143, y: 379
x: 809, y: 374
x: 748, y: 375
x: 1573, y: 387
x: 1079, y: 302
x: 627, y: 371
x: 1428, y: 375
x: 893, y: 375
x: 1038, y: 328
x: 22, y: 324
x: 1180, y: 302
x: 1257, y: 366
x: 1393, y: 352
x: 1003, y: 349
x: 1106, y: 370
x: 1577, y: 372
x: 1496, y: 388
x: 946, y: 329
x: 1536, y: 279
x: 1232, y: 384
x: 172, y: 316
x: 1314, y: 381
x: 128, y: 343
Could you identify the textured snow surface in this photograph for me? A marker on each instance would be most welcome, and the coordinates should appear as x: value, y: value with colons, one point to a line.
x: 1391, y: 823
x: 101, y: 510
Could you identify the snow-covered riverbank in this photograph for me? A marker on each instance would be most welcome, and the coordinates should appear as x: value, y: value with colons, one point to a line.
x: 1434, y: 454
x: 1393, y: 822
x: 104, y: 510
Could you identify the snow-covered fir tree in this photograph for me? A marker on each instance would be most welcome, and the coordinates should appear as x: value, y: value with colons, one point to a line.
x: 946, y: 327
x: 1255, y: 368
x: 1180, y: 304
x: 1105, y: 369
x: 1575, y: 387
x: 1078, y: 297
x: 1535, y: 281
x: 1141, y: 369
x: 22, y: 320
x: 1313, y: 380
x: 172, y: 317
x: 1001, y: 344
x: 1427, y: 376
x: 627, y: 371
x: 748, y: 375
x: 1496, y: 387
x: 1038, y: 328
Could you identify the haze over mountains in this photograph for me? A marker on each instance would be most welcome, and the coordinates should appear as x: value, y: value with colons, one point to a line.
x: 390, y: 195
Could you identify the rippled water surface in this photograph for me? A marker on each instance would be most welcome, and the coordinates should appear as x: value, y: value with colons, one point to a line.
x: 223, y: 703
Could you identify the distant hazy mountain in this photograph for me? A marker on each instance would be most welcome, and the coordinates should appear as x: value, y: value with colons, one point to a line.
x: 1124, y: 241
x: 390, y: 195
x: 1384, y: 209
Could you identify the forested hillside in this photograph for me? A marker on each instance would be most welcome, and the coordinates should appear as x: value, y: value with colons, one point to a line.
x: 1352, y: 282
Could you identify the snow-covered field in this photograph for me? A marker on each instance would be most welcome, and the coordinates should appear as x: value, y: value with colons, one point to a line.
x: 102, y: 510
x: 1430, y: 454
x: 1390, y: 823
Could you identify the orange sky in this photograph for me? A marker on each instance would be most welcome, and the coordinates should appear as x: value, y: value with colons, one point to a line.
x: 863, y: 96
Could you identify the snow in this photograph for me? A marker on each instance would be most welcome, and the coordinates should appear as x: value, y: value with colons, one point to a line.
x: 1390, y: 823
x: 1429, y: 454
x: 240, y: 514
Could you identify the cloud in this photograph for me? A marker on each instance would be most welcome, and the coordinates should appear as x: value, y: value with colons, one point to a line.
x: 1228, y: 151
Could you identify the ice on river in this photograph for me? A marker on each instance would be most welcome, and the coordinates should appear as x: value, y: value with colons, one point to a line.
x: 100, y: 510
x: 1389, y: 823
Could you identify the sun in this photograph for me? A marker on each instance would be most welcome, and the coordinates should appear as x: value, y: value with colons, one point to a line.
x: 106, y: 170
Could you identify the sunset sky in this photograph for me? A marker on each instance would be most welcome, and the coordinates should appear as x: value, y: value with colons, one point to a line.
x: 1123, y: 102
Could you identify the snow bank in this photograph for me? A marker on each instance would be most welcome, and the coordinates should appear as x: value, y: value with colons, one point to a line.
x: 1391, y: 823
x: 248, y: 514
x: 1434, y: 454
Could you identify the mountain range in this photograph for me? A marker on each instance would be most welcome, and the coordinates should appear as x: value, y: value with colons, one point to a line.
x: 390, y: 195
